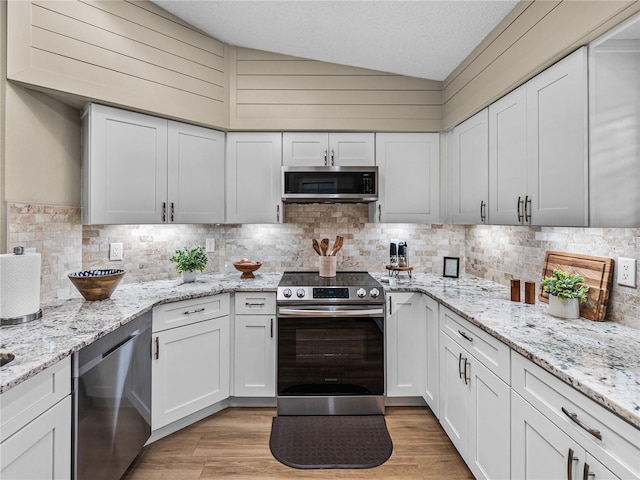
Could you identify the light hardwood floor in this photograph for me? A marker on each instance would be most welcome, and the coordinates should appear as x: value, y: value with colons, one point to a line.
x: 234, y: 444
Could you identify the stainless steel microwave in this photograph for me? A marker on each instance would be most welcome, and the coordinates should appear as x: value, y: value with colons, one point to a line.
x: 329, y: 184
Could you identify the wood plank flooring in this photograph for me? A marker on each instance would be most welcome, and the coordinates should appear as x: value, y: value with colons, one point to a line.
x: 234, y: 444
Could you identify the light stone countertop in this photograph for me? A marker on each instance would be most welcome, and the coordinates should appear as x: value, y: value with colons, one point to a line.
x: 600, y: 359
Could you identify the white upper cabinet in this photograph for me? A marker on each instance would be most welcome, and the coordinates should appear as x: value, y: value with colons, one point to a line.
x: 328, y: 149
x: 557, y: 147
x: 508, y: 158
x: 409, y: 169
x: 538, y: 149
x: 141, y: 169
x: 614, y: 127
x: 196, y: 174
x: 253, y: 178
x: 468, y: 175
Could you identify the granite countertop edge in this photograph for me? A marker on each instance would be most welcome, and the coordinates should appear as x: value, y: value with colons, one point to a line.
x: 70, y: 324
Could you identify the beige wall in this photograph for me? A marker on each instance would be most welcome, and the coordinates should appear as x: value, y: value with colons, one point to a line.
x: 531, y: 38
x: 42, y: 149
x: 277, y: 92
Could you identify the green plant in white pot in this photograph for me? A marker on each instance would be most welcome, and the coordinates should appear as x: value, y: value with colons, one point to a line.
x: 566, y: 291
x: 189, y: 262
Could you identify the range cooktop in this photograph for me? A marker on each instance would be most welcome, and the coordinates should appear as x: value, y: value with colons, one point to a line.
x: 345, y: 287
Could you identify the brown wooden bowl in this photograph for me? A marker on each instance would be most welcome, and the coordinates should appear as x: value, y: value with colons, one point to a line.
x: 247, y: 267
x: 96, y: 284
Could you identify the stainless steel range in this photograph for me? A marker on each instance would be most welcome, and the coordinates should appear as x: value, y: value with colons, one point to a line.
x: 330, y: 344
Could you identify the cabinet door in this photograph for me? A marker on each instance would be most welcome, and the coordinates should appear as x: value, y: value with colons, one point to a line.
x: 352, y: 149
x: 409, y: 167
x: 508, y: 158
x: 124, y: 167
x: 253, y: 172
x: 539, y: 449
x: 255, y: 356
x: 305, y: 149
x: 468, y: 166
x: 557, y: 143
x: 196, y: 174
x: 405, y: 338
x: 488, y: 445
x: 431, y: 373
x: 614, y: 131
x: 190, y: 370
x: 454, y: 392
x: 42, y: 449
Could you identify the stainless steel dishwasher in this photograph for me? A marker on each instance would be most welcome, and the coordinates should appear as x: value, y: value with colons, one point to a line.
x: 112, y: 401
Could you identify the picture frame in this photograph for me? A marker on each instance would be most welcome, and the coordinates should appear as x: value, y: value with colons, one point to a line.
x: 451, y: 267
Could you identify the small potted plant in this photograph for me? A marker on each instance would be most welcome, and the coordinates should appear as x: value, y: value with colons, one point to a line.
x: 189, y: 262
x: 566, y: 291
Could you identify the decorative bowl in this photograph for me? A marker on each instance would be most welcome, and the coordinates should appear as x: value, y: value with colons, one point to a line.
x: 247, y: 267
x: 96, y: 284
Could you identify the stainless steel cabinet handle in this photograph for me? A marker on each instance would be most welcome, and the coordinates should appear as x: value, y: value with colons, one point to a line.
x: 325, y: 158
x: 467, y: 373
x: 465, y: 336
x: 527, y: 209
x: 586, y: 474
x: 254, y: 304
x: 574, y: 418
x: 157, y: 354
x: 379, y: 212
x: 390, y: 305
x: 172, y: 212
x: 332, y: 156
x: 271, y: 328
x: 570, y: 460
x: 459, y: 365
x: 520, y: 209
x: 277, y: 213
x: 483, y: 216
x: 191, y: 312
x: 164, y: 211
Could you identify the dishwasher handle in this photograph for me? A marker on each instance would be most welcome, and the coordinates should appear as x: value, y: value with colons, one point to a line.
x: 121, y: 344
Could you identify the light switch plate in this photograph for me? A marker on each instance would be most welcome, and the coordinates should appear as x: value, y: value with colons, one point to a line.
x: 115, y: 251
x: 627, y: 272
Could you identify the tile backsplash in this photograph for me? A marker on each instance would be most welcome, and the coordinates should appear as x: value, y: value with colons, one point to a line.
x: 498, y: 253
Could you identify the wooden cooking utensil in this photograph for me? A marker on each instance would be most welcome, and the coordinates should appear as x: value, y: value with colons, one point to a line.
x: 316, y: 247
x: 337, y: 245
x: 324, y: 245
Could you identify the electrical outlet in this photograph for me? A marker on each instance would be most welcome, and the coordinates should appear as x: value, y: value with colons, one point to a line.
x: 115, y: 251
x: 627, y: 272
x: 211, y: 245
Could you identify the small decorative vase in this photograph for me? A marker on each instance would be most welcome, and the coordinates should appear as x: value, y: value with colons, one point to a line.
x: 564, y: 307
x: 188, y: 277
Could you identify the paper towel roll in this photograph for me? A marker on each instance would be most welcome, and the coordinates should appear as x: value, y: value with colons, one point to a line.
x: 19, y: 284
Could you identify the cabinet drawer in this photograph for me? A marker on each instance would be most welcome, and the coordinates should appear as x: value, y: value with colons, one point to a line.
x: 187, y: 312
x: 255, y: 303
x: 619, y: 448
x: 34, y: 396
x: 494, y: 354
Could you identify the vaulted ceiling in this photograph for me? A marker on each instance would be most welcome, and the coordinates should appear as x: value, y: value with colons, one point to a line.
x: 419, y: 38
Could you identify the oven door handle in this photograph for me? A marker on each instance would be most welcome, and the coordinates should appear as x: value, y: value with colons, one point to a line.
x: 316, y: 311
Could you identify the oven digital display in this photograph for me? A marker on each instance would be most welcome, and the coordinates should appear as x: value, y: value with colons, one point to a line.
x: 331, y: 292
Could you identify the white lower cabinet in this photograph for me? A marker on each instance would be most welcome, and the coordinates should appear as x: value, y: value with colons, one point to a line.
x: 559, y: 433
x: 406, y: 344
x: 36, y: 427
x: 255, y: 345
x: 190, y: 369
x: 431, y: 373
x: 474, y: 403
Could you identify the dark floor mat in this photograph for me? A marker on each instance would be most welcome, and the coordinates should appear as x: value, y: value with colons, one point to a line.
x: 336, y: 441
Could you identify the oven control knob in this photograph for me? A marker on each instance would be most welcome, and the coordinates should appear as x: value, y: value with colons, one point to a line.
x: 361, y: 292
x: 287, y: 293
x: 375, y: 293
x: 300, y: 292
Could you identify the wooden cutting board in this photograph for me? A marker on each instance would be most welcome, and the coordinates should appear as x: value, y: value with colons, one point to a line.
x: 597, y: 273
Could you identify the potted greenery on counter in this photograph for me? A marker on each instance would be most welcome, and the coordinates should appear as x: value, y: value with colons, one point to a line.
x: 566, y: 291
x: 189, y: 262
